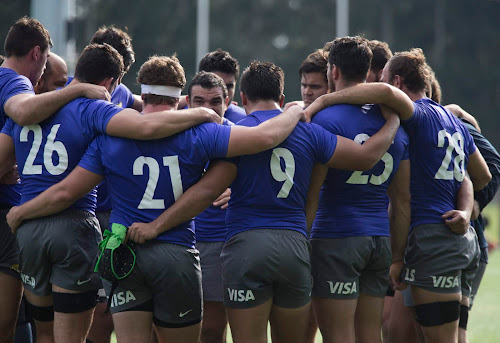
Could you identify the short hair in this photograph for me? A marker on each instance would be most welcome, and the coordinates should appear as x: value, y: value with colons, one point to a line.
x: 24, y: 35
x: 381, y: 54
x: 315, y: 63
x: 262, y: 81
x: 162, y: 71
x: 118, y: 39
x: 221, y: 61
x: 352, y: 56
x: 98, y: 62
x: 412, y: 68
x: 208, y: 80
x: 434, y: 88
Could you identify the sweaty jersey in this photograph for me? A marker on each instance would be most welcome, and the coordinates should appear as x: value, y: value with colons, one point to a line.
x: 146, y: 177
x: 355, y: 203
x: 47, y: 152
x: 11, y: 83
x: 270, y: 189
x: 440, y: 146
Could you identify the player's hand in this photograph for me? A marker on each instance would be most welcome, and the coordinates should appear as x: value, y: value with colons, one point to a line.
x: 11, y: 177
x: 223, y: 199
x: 316, y: 106
x: 13, y: 219
x: 395, y: 276
x: 389, y: 114
x: 457, y: 221
x: 141, y: 232
x: 291, y: 103
x: 93, y: 91
x: 211, y: 115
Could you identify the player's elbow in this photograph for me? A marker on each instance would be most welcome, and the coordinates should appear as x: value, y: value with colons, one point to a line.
x: 480, y: 181
x: 64, y: 197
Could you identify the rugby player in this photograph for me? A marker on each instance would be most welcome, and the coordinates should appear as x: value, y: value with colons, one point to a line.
x: 266, y: 270
x: 165, y: 287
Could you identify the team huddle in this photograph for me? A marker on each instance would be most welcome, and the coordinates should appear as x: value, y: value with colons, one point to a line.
x: 348, y: 211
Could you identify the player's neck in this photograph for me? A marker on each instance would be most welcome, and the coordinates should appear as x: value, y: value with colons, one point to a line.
x: 261, y: 105
x: 19, y: 65
x: 343, y: 84
x: 147, y: 108
x: 414, y: 96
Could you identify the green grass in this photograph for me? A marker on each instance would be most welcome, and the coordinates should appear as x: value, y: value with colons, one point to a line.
x: 484, y: 317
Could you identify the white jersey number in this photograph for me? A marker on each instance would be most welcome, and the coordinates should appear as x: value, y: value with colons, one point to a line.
x: 51, y: 146
x: 172, y: 162
x: 357, y: 178
x: 455, y: 142
x: 280, y: 175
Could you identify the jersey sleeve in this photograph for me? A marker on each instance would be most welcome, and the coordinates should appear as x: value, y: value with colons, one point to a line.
x: 129, y: 96
x: 99, y: 115
x: 327, y: 119
x: 412, y: 123
x: 8, y: 127
x: 19, y: 85
x: 91, y: 160
x: 214, y: 139
x: 325, y: 144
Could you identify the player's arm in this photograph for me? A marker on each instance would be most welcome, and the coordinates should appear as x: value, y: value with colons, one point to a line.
x: 129, y: 123
x: 28, y: 109
x: 399, y: 219
x: 195, y: 200
x: 349, y: 155
x: 460, y: 113
x: 458, y: 220
x: 7, y: 154
x: 137, y: 105
x: 245, y: 140
x: 478, y: 170
x: 56, y: 198
x: 291, y: 103
x: 318, y: 176
x: 366, y: 93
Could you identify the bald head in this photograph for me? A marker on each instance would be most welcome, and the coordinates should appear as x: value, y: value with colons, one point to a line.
x: 55, y: 75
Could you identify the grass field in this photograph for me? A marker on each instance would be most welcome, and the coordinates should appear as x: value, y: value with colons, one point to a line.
x: 484, y: 318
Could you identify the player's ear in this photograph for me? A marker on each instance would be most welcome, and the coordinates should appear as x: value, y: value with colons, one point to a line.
x: 226, y: 101
x: 282, y: 100
x: 335, y: 72
x: 244, y: 100
x: 397, y: 82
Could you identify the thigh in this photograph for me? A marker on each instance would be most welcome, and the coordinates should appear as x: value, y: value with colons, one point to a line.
x: 133, y: 326
x: 335, y: 318
x: 10, y: 298
x: 249, y: 325
x: 289, y: 325
x: 368, y: 318
x: 9, y: 251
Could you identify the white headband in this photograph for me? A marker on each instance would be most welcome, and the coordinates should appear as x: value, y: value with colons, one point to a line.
x: 174, y: 92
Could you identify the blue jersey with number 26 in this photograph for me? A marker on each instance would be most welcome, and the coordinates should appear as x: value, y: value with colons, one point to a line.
x: 146, y: 177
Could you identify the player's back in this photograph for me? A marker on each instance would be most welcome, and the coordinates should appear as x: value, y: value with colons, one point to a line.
x: 354, y: 203
x: 270, y: 189
x: 146, y: 177
x: 47, y: 152
x: 439, y: 147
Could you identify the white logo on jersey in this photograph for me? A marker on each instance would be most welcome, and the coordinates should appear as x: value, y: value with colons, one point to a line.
x: 240, y: 295
x: 445, y: 281
x: 122, y: 298
x: 342, y: 287
x: 29, y: 280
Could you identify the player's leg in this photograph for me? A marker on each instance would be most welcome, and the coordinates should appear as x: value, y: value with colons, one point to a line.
x: 335, y: 318
x: 289, y: 324
x: 214, y: 325
x: 249, y: 325
x: 400, y: 325
x: 133, y: 326
x: 42, y: 311
x: 312, y: 327
x: 368, y: 320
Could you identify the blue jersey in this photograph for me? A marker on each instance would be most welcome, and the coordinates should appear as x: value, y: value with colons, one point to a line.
x: 211, y: 223
x: 146, y: 177
x: 234, y: 113
x: 270, y: 189
x: 355, y: 203
x: 47, y: 152
x: 440, y: 146
x: 11, y: 83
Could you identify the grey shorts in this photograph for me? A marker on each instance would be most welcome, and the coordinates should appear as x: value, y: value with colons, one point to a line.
x: 261, y: 264
x: 103, y: 218
x: 439, y: 260
x: 166, y: 275
x: 477, y: 280
x: 9, y: 252
x: 211, y: 270
x: 344, y: 267
x: 60, y: 249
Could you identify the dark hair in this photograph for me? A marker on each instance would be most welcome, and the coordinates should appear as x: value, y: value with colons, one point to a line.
x: 163, y: 71
x: 118, y: 39
x: 2, y: 58
x: 381, y: 54
x: 221, y: 61
x: 411, y: 67
x: 98, y: 62
x: 24, y: 35
x: 352, y: 56
x: 315, y: 63
x: 207, y: 80
x: 262, y: 81
x: 434, y: 88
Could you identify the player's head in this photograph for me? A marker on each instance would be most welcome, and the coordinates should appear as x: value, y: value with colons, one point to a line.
x: 381, y: 54
x: 408, y: 71
x: 349, y: 60
x: 55, y: 75
x: 162, y: 80
x: 208, y: 90
x: 262, y: 81
x: 118, y: 39
x: 223, y: 64
x: 434, y: 88
x: 28, y: 37
x: 99, y: 64
x: 313, y: 80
